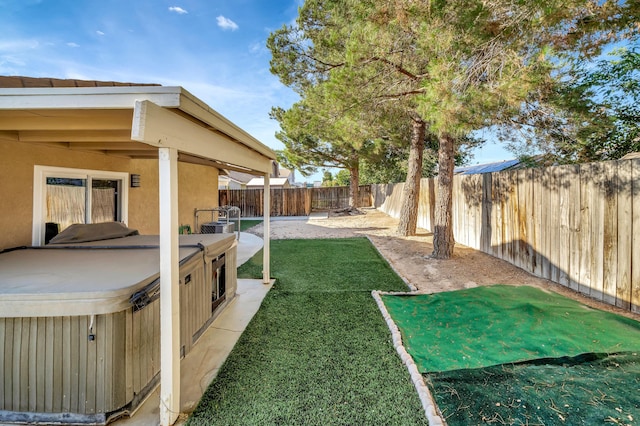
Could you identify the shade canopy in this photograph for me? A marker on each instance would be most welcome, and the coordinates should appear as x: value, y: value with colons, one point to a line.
x: 125, y: 120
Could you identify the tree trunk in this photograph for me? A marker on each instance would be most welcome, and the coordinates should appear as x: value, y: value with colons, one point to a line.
x: 411, y: 192
x: 354, y: 184
x: 443, y: 241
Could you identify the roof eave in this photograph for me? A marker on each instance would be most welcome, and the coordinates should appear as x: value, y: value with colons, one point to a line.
x: 199, y: 109
x: 122, y: 97
x: 125, y: 97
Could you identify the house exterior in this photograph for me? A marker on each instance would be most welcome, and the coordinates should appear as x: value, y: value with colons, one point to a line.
x: 71, y: 138
x: 258, y: 183
x: 280, y: 178
x: 287, y: 174
x: 234, y: 180
x: 145, y: 155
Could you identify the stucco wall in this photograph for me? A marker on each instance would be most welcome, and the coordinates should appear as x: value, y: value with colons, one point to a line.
x: 199, y: 190
x: 143, y: 201
x: 197, y: 187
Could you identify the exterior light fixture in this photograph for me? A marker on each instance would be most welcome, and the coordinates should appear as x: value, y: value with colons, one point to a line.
x: 135, y: 181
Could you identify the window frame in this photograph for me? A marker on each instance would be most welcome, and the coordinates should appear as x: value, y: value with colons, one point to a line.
x: 40, y: 175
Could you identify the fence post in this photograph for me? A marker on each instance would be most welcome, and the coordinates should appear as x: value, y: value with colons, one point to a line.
x: 307, y: 201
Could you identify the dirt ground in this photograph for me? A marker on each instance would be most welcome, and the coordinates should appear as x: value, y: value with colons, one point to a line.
x: 409, y: 256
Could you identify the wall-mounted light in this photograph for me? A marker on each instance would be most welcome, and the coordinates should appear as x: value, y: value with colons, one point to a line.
x: 135, y: 181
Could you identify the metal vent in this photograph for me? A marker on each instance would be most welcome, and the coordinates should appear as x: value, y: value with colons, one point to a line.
x: 216, y: 228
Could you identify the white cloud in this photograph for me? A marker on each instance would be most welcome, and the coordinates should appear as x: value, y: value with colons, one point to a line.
x: 72, y: 44
x: 226, y: 23
x: 178, y: 10
x: 100, y: 33
x: 18, y: 45
x: 8, y: 62
x: 74, y: 75
x: 256, y: 47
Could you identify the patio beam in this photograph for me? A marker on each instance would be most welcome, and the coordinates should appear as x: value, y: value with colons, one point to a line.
x: 80, y: 136
x: 216, y: 122
x: 109, y: 146
x: 112, y: 120
x: 12, y: 136
x: 159, y: 127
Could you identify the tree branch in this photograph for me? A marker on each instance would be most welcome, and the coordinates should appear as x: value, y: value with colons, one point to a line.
x: 395, y: 66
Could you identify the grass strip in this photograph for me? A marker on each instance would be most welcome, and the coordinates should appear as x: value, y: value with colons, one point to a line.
x: 248, y: 223
x: 346, y: 264
x: 318, y: 352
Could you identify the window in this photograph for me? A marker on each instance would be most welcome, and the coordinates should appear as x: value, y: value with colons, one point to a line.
x: 65, y: 196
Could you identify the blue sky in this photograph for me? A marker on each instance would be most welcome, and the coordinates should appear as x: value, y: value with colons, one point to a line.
x: 214, y: 49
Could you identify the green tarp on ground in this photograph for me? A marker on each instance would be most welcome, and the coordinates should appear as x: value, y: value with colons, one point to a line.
x: 586, y: 390
x: 500, y: 324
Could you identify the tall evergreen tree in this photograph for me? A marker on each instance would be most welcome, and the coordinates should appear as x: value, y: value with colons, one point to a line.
x: 447, y: 68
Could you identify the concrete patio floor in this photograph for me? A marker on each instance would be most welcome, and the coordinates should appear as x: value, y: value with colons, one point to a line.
x: 203, y: 362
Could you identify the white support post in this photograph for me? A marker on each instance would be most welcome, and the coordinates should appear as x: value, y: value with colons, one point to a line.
x: 169, y: 292
x: 266, y: 251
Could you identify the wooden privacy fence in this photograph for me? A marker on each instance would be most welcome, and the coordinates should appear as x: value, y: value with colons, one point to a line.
x: 577, y: 225
x: 337, y: 197
x: 292, y: 201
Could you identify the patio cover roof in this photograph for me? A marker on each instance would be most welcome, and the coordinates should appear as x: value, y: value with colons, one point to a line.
x: 139, y: 121
x: 125, y: 119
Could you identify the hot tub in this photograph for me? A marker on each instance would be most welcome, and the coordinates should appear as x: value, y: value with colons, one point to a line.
x: 80, y: 323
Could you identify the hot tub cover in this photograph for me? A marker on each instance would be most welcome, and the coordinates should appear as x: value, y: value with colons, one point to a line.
x: 83, y: 232
x: 94, y: 277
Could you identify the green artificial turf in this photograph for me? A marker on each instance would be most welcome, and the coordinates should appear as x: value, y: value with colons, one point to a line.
x: 349, y: 264
x: 318, y: 352
x: 501, y: 324
x: 522, y: 356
